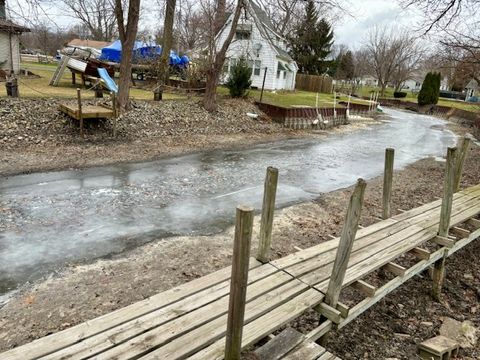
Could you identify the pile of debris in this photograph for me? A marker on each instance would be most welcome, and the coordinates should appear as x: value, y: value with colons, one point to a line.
x: 26, y: 122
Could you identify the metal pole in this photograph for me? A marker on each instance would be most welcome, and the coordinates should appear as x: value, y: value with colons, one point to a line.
x: 263, y: 83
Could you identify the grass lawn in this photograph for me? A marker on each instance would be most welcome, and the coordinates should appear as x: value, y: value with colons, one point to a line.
x: 40, y: 88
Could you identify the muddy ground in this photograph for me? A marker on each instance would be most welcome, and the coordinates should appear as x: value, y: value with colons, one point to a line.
x: 391, y: 328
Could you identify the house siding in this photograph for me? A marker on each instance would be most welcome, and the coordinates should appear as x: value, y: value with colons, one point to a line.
x: 5, y: 52
x: 267, y: 54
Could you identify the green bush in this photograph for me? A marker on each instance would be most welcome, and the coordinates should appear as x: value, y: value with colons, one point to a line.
x: 430, y: 90
x: 399, y: 94
x: 239, y: 80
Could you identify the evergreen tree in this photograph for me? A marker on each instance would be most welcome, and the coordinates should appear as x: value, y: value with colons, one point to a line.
x: 345, y: 66
x: 239, y: 80
x: 312, y: 42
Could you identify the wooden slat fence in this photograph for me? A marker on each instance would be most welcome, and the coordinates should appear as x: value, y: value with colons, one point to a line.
x: 314, y: 83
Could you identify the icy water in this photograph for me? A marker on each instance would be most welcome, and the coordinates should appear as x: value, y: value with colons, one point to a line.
x: 50, y: 219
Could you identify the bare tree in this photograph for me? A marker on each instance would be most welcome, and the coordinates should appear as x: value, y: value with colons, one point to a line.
x: 128, y: 33
x: 216, y: 58
x: 394, y: 56
x: 162, y: 74
x: 97, y: 15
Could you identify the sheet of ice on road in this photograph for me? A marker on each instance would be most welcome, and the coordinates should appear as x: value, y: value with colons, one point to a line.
x: 50, y: 219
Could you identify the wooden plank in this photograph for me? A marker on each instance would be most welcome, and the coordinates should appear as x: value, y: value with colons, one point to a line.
x: 443, y: 241
x: 329, y: 312
x: 319, y: 331
x: 239, y: 282
x: 190, y: 333
x: 463, y: 233
x: 280, y: 345
x: 327, y: 356
x: 268, y: 209
x: 174, y: 320
x: 305, y: 261
x: 266, y: 324
x: 307, y: 350
x: 395, y: 269
x: 474, y: 222
x: 387, y: 183
x: 67, y: 337
x: 420, y: 253
x: 344, y: 250
x: 365, y: 288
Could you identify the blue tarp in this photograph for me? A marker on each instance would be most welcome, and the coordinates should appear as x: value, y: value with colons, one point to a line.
x: 141, y: 51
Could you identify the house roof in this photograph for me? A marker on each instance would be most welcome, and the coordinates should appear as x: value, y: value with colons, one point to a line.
x: 89, y: 43
x: 472, y: 84
x: 10, y: 27
x: 268, y: 29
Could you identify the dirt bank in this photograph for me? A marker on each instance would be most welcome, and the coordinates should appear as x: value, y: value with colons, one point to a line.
x: 390, y: 329
x: 35, y: 136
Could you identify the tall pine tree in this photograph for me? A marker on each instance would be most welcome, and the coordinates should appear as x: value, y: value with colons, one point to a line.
x: 312, y: 42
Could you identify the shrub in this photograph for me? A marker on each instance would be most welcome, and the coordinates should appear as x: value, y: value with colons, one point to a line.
x: 430, y: 90
x: 239, y: 80
x: 399, y: 94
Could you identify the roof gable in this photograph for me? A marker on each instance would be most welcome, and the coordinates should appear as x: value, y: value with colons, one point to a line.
x: 10, y: 27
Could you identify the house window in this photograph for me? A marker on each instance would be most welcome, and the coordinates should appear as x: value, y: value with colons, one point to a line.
x: 242, y: 34
x: 284, y: 75
x: 256, y: 69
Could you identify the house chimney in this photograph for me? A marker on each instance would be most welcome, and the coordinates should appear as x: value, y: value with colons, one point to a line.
x: 3, y: 13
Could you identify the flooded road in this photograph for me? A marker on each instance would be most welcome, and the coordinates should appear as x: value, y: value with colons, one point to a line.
x: 50, y: 219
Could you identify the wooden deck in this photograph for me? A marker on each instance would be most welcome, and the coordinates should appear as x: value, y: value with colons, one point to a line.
x: 88, y: 111
x: 189, y: 321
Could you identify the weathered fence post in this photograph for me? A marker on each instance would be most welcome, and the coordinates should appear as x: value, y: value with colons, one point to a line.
x: 80, y: 114
x: 387, y: 183
x: 345, y: 245
x: 114, y: 109
x: 461, y: 157
x: 268, y: 208
x: 238, y: 282
x: 446, y: 210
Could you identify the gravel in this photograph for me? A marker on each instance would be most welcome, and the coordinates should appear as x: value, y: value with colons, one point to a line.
x: 27, y: 122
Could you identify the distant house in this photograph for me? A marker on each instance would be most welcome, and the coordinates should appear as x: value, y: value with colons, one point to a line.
x: 9, y: 43
x: 256, y: 40
x: 471, y: 89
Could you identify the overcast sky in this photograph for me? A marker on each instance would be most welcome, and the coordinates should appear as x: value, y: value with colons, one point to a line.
x: 349, y: 30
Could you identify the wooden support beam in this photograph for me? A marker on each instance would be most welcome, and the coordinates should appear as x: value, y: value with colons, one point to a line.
x: 461, y: 157
x: 387, y: 183
x: 268, y: 209
x: 395, y: 269
x: 401, y: 211
x: 443, y: 241
x: 474, y: 222
x: 445, y: 213
x: 349, y: 231
x: 365, y: 288
x: 331, y: 236
x: 297, y: 248
x: 320, y: 331
x: 238, y: 282
x: 344, y: 309
x: 463, y: 233
x: 420, y: 253
x: 329, y: 312
x: 80, y: 114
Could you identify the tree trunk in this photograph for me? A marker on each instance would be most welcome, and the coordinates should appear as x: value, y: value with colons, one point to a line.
x: 220, y: 15
x: 166, y: 47
x: 128, y: 35
x: 216, y: 64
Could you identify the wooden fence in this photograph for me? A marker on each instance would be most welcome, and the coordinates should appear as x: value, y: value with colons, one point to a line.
x: 314, y: 83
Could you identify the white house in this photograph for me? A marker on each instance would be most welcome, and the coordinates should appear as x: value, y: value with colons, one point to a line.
x: 471, y: 89
x: 265, y: 50
x: 9, y: 42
